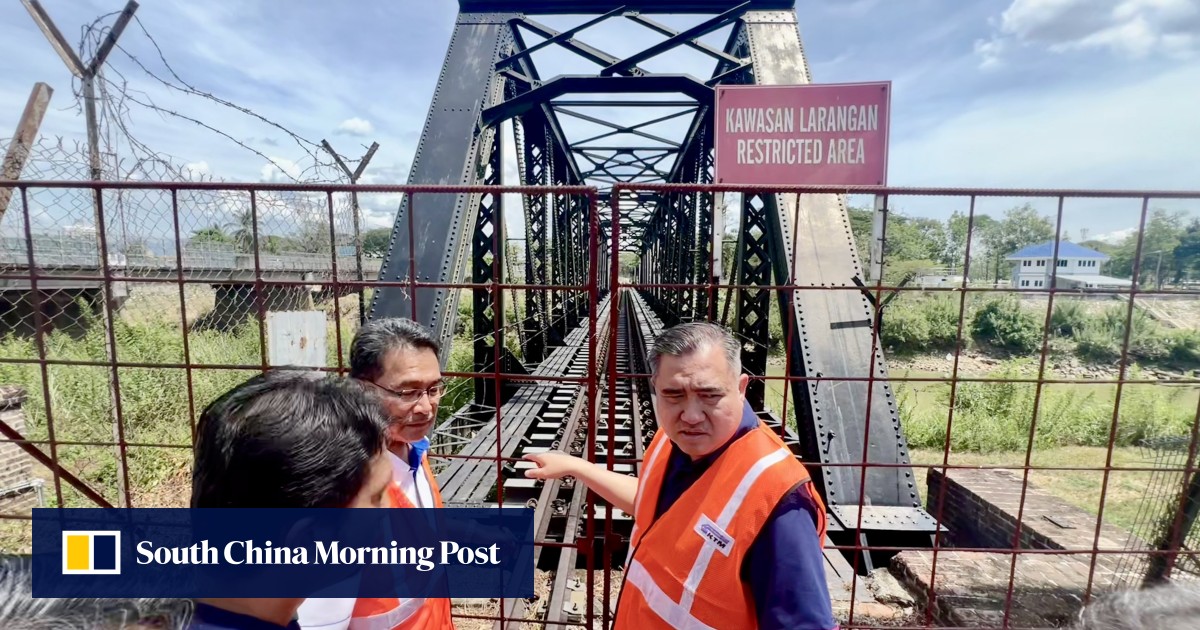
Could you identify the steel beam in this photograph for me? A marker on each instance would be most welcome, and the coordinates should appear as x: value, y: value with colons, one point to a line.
x: 670, y: 32
x: 487, y: 264
x: 586, y: 51
x: 833, y: 417
x: 629, y: 64
x: 586, y: 7
x: 533, y: 156
x: 569, y: 84
x: 754, y: 298
x: 525, y: 53
x: 438, y: 226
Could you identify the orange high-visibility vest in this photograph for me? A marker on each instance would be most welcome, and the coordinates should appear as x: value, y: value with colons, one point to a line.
x: 390, y: 613
x: 684, y: 568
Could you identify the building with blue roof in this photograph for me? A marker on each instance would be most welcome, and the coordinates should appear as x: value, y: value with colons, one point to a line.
x: 1076, y: 267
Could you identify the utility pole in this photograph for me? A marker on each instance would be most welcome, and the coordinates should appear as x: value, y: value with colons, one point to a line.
x: 878, y: 229
x: 22, y: 142
x: 1158, y: 272
x: 358, y: 241
x: 87, y: 74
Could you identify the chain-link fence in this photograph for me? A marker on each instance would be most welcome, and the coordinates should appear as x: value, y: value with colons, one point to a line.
x: 213, y: 240
x: 1166, y: 517
x: 192, y: 292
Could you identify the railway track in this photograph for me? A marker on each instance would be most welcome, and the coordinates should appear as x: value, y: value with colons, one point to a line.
x: 545, y: 415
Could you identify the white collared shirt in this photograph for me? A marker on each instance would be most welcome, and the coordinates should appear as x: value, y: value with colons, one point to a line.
x: 412, y: 482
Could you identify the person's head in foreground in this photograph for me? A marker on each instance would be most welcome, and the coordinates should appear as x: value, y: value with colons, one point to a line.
x: 287, y: 439
x: 20, y: 611
x: 696, y: 372
x: 399, y: 359
x: 1171, y: 606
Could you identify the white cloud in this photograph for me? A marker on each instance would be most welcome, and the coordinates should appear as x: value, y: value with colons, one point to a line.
x: 279, y: 171
x: 1129, y: 28
x: 197, y: 170
x: 1126, y: 136
x: 355, y: 127
x: 1114, y: 237
x: 990, y: 52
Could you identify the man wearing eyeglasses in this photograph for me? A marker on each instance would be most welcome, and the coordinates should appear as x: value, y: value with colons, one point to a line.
x: 399, y: 360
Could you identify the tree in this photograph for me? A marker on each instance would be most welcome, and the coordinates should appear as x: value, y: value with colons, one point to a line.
x: 242, y: 228
x: 1163, y: 234
x: 375, y: 242
x: 981, y: 255
x: 906, y: 238
x: 313, y: 237
x: 1187, y: 253
x: 630, y: 263
x: 954, y: 254
x: 213, y: 234
x: 1020, y: 227
x: 860, y: 226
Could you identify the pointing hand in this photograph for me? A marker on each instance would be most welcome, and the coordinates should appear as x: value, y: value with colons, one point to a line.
x: 552, y: 465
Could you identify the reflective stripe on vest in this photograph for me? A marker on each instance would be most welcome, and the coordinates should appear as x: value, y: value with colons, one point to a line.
x: 390, y: 613
x: 658, y: 601
x: 396, y: 612
x: 656, y: 447
x: 687, y: 573
x: 731, y: 508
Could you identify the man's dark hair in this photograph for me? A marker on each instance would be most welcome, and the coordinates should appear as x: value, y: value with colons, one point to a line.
x: 1170, y: 606
x: 19, y: 610
x: 378, y: 337
x: 689, y: 337
x: 286, y: 439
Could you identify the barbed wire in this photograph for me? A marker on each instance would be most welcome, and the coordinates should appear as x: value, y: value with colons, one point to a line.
x: 115, y: 98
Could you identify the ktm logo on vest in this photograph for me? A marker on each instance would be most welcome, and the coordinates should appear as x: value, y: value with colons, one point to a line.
x: 712, y: 533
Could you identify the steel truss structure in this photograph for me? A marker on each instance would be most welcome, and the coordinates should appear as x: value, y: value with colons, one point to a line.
x: 490, y: 79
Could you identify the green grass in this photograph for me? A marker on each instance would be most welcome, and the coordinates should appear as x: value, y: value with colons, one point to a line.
x: 997, y: 417
x: 1073, y: 432
x: 155, y: 407
x: 1081, y: 488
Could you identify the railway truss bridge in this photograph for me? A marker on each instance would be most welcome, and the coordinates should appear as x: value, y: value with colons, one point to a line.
x: 624, y: 243
x: 611, y: 231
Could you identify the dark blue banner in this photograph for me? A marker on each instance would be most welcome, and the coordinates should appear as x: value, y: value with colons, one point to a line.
x: 156, y: 552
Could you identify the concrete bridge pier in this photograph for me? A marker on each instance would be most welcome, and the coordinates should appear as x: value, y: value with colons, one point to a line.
x: 237, y: 303
x: 67, y: 309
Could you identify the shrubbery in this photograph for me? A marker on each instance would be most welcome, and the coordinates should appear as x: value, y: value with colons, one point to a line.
x: 998, y: 416
x: 155, y: 406
x: 914, y: 324
x: 1005, y: 324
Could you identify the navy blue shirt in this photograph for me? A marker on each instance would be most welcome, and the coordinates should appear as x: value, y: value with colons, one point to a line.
x: 208, y: 617
x: 784, y: 566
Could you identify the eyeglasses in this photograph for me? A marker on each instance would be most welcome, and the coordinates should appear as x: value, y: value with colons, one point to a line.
x: 435, y: 392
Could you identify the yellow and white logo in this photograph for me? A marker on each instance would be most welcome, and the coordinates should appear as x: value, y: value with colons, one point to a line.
x: 91, y: 553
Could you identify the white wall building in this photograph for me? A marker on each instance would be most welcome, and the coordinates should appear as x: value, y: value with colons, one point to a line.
x: 1077, y: 267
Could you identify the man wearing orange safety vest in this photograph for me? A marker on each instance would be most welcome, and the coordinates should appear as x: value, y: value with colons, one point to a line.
x: 399, y: 359
x: 727, y: 525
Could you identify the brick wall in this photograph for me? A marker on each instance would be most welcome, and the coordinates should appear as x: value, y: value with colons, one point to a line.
x: 981, y: 509
x: 16, y: 466
x: 970, y: 588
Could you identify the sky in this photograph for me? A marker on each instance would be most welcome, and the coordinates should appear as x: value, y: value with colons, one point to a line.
x: 986, y: 93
